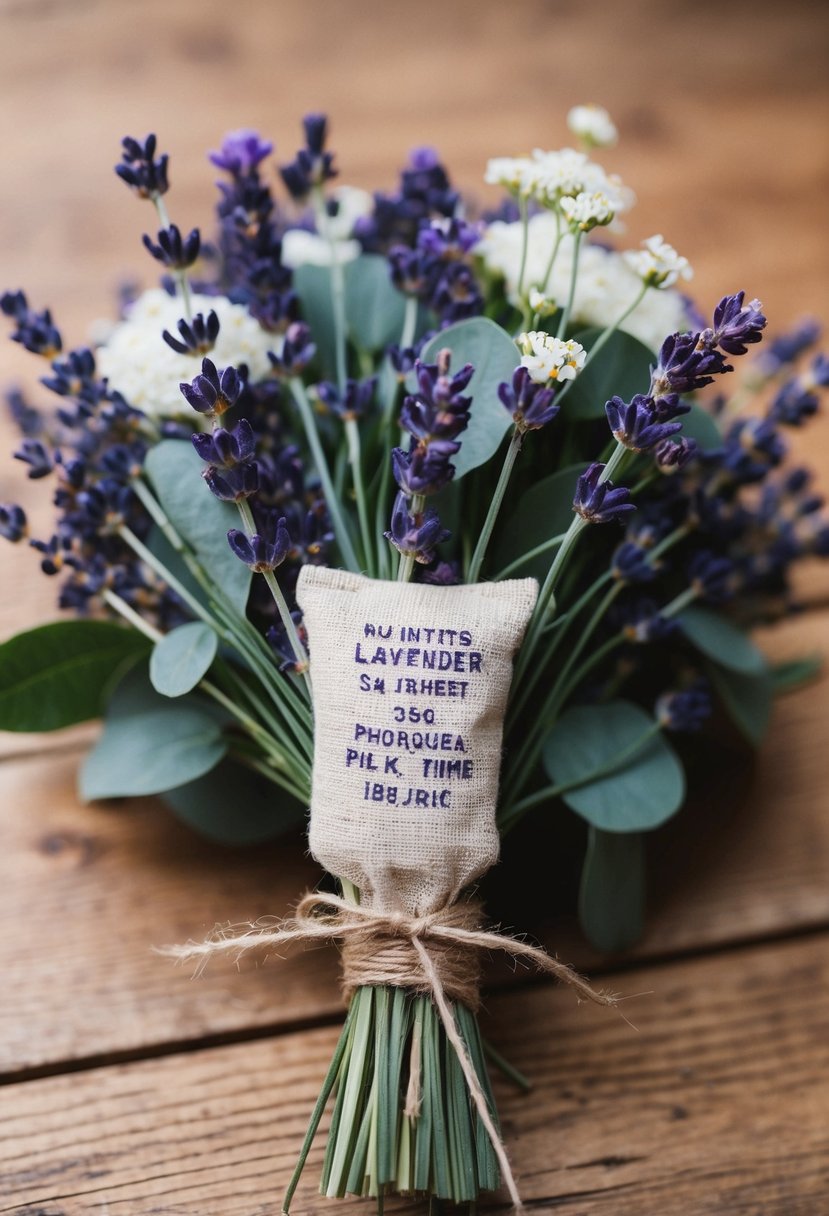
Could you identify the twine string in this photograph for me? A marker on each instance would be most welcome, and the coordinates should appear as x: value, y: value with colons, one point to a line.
x: 437, y: 953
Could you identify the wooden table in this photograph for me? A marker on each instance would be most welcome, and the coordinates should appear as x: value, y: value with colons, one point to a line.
x: 128, y: 1086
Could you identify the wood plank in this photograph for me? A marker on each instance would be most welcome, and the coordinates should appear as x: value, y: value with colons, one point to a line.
x: 716, y: 1105
x: 88, y: 891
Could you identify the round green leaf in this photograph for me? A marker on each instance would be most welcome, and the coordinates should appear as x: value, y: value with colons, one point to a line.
x: 373, y: 305
x: 612, y: 889
x: 747, y: 698
x: 235, y: 806
x: 152, y: 751
x: 58, y: 674
x: 621, y: 368
x: 613, y: 783
x: 313, y: 286
x: 180, y: 660
x: 719, y: 639
x: 174, y: 468
x: 495, y: 357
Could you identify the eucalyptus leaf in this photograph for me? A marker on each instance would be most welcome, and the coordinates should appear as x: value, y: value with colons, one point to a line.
x: 373, y: 305
x: 174, y: 468
x: 234, y: 806
x: 619, y: 784
x: 544, y: 510
x: 181, y: 659
x: 313, y: 286
x: 621, y: 368
x: 495, y: 357
x: 795, y: 673
x: 720, y: 639
x: 700, y: 425
x: 612, y: 889
x: 57, y: 675
x: 747, y: 698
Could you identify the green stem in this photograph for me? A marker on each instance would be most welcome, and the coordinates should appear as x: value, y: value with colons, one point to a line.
x: 544, y: 547
x: 149, y: 559
x: 495, y: 506
x: 126, y: 610
x: 407, y: 561
x: 565, y: 316
x: 407, y: 337
x: 554, y: 253
x: 337, y: 287
x: 341, y: 529
x: 523, y: 206
x: 352, y: 432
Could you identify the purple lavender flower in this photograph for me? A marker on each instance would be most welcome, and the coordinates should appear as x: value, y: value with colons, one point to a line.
x: 241, y: 152
x: 139, y: 168
x: 530, y: 404
x: 226, y: 448
x: 415, y: 535
x: 436, y: 273
x: 232, y: 484
x: 312, y: 166
x: 684, y: 366
x: 297, y: 351
x: 711, y: 576
x: 685, y: 709
x: 353, y: 402
x: 636, y: 425
x: 425, y: 193
x: 33, y: 453
x: 598, y: 502
x: 442, y: 574
x: 213, y: 392
x: 793, y: 404
x: 735, y: 328
x: 671, y: 456
x: 173, y: 250
x: 631, y: 564
x: 35, y: 330
x: 261, y: 553
x: 13, y: 525
x: 642, y: 622
x: 198, y: 336
x: 787, y: 348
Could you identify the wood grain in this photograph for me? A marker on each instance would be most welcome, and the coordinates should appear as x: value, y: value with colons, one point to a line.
x: 717, y: 1103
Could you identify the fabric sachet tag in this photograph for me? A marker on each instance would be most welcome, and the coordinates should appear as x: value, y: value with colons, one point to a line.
x: 410, y: 684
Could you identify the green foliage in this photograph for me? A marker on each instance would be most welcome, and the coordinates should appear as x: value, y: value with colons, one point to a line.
x: 747, y: 698
x: 720, y: 639
x: 373, y: 305
x: 174, y: 468
x: 494, y: 356
x: 621, y: 368
x: 233, y: 805
x: 57, y: 675
x: 700, y: 425
x: 612, y: 889
x: 545, y: 510
x: 150, y: 744
x: 786, y: 677
x: 618, y: 773
x: 182, y: 658
x: 313, y: 286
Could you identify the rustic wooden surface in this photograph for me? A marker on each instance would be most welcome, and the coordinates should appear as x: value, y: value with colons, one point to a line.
x: 129, y: 1087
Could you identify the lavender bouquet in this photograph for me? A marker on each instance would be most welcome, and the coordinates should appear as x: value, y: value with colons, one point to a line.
x: 406, y: 388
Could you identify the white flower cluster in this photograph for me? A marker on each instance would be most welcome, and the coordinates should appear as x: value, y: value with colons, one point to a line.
x: 658, y: 264
x: 547, y: 358
x: 547, y: 177
x: 605, y: 287
x: 593, y: 125
x: 138, y: 362
x: 587, y: 211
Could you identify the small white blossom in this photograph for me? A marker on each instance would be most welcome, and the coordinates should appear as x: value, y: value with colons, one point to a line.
x: 567, y: 173
x: 138, y: 362
x: 587, y: 211
x: 540, y: 304
x: 547, y: 358
x: 658, y: 264
x: 303, y: 248
x: 515, y: 173
x: 593, y: 125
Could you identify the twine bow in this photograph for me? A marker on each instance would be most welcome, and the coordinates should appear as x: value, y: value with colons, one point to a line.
x: 436, y: 953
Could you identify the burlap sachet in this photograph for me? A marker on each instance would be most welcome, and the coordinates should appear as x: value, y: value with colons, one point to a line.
x: 410, y: 685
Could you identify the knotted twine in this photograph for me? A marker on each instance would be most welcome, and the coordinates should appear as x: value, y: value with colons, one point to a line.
x: 437, y: 953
